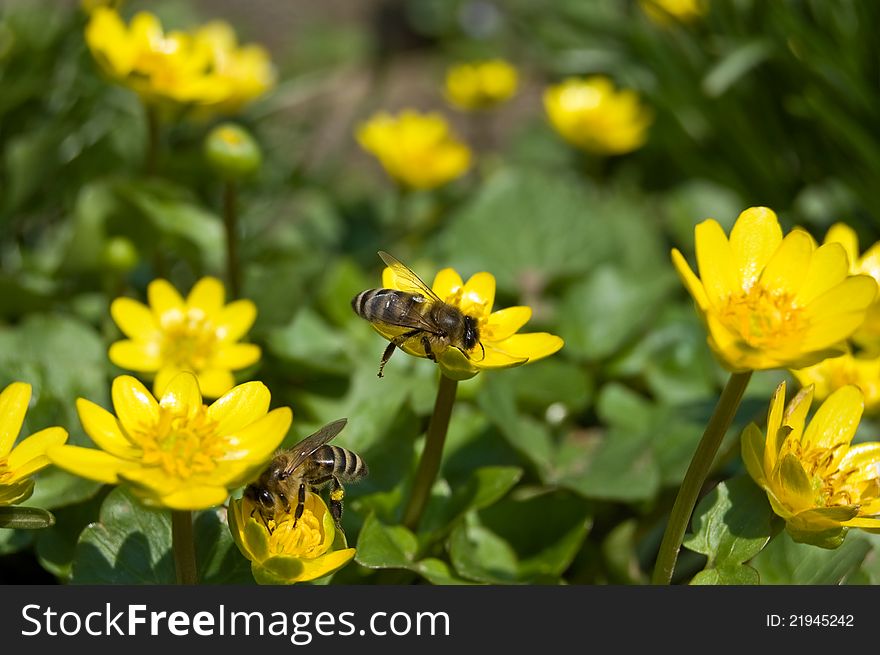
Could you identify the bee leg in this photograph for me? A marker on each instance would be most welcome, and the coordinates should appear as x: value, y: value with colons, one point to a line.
x: 300, y: 503
x: 426, y: 343
x: 386, y: 356
x: 337, y: 494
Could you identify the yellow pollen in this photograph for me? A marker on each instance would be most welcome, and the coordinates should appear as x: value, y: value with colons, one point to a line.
x: 181, y: 445
x: 306, y: 540
x: 189, y: 341
x: 764, y: 319
x: 832, y: 486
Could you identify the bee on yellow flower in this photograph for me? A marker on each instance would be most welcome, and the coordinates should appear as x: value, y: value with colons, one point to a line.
x: 773, y: 302
x: 417, y: 150
x: 481, y: 85
x: 19, y: 463
x: 292, y: 550
x: 815, y: 478
x: 199, y: 334
x: 175, y: 451
x: 592, y: 115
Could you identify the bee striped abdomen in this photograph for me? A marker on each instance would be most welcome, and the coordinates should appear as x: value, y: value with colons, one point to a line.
x: 340, y: 462
x: 387, y: 305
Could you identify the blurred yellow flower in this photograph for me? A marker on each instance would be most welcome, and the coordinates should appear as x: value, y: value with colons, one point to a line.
x: 245, y: 72
x: 18, y: 464
x: 831, y: 374
x: 177, y: 453
x: 199, y: 334
x: 498, y: 345
x: 481, y: 85
x: 664, y: 12
x: 868, y: 335
x: 205, y: 69
x: 770, y: 302
x: 417, y: 150
x: 592, y: 115
x: 283, y: 554
x: 814, y: 478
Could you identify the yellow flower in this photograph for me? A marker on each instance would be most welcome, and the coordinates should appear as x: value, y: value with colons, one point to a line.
x: 498, y: 346
x: 245, y: 73
x: 199, y: 335
x: 18, y: 464
x: 417, y: 150
x: 664, y: 12
x: 814, y: 478
x: 835, y: 372
x: 205, y: 69
x: 590, y: 114
x: 770, y: 302
x: 480, y: 85
x: 286, y: 555
x: 867, y: 336
x: 177, y: 452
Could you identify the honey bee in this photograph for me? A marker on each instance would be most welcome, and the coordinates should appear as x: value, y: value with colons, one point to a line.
x: 309, y: 465
x: 415, y: 317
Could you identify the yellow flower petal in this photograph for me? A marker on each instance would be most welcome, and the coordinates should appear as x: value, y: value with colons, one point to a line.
x: 18, y: 492
x: 195, y: 498
x: 753, y: 446
x: 533, y: 345
x: 258, y: 440
x: 215, y: 382
x: 240, y: 407
x: 134, y: 319
x: 794, y: 484
x: 715, y: 262
x: 828, y: 268
x: 135, y: 407
x: 690, y: 280
x: 774, y: 424
x: 181, y: 395
x: 504, y: 323
x: 235, y: 320
x: 207, y: 295
x: 34, y: 447
x: 104, y: 430
x: 141, y: 356
x: 846, y: 236
x: 89, y: 463
x: 446, y: 283
x: 165, y: 302
x: 754, y: 239
x: 478, y: 295
x: 864, y: 460
x: 785, y: 270
x: 836, y: 420
x: 236, y: 356
x: 14, y: 401
x: 325, y: 564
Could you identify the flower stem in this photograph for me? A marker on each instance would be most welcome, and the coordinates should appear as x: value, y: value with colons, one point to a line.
x: 230, y: 220
x: 184, y: 547
x: 429, y: 465
x: 151, y: 163
x: 696, y: 474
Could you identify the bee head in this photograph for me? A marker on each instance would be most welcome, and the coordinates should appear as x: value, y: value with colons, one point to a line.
x: 471, y: 332
x: 259, y: 496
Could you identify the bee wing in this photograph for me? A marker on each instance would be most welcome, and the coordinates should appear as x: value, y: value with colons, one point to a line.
x: 406, y: 279
x: 311, y: 443
x: 403, y: 319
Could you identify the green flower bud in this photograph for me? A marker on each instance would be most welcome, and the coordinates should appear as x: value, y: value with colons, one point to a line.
x: 232, y: 152
x: 119, y: 254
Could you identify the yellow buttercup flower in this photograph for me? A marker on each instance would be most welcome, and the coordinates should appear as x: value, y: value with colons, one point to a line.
x: 245, y: 72
x: 204, y: 69
x: 283, y: 554
x: 664, y: 12
x: 481, y: 85
x: 499, y: 345
x: 814, y: 478
x: 417, y: 150
x: 868, y: 335
x: 592, y: 115
x: 833, y: 373
x: 177, y: 452
x: 18, y: 464
x: 199, y: 334
x: 773, y: 302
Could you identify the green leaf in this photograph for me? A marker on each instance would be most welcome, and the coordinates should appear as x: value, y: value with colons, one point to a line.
x: 394, y: 547
x: 784, y: 561
x: 728, y: 575
x: 734, y: 66
x: 130, y: 544
x: 309, y: 342
x: 732, y: 523
x: 56, y: 546
x: 25, y: 518
x: 219, y: 559
x: 481, y: 555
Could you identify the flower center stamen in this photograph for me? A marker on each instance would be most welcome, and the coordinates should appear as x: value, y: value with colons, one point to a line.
x: 764, y: 319
x: 306, y: 540
x: 189, y: 341
x: 181, y: 444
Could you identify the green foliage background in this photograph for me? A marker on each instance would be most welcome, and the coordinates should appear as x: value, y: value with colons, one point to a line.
x: 562, y: 471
